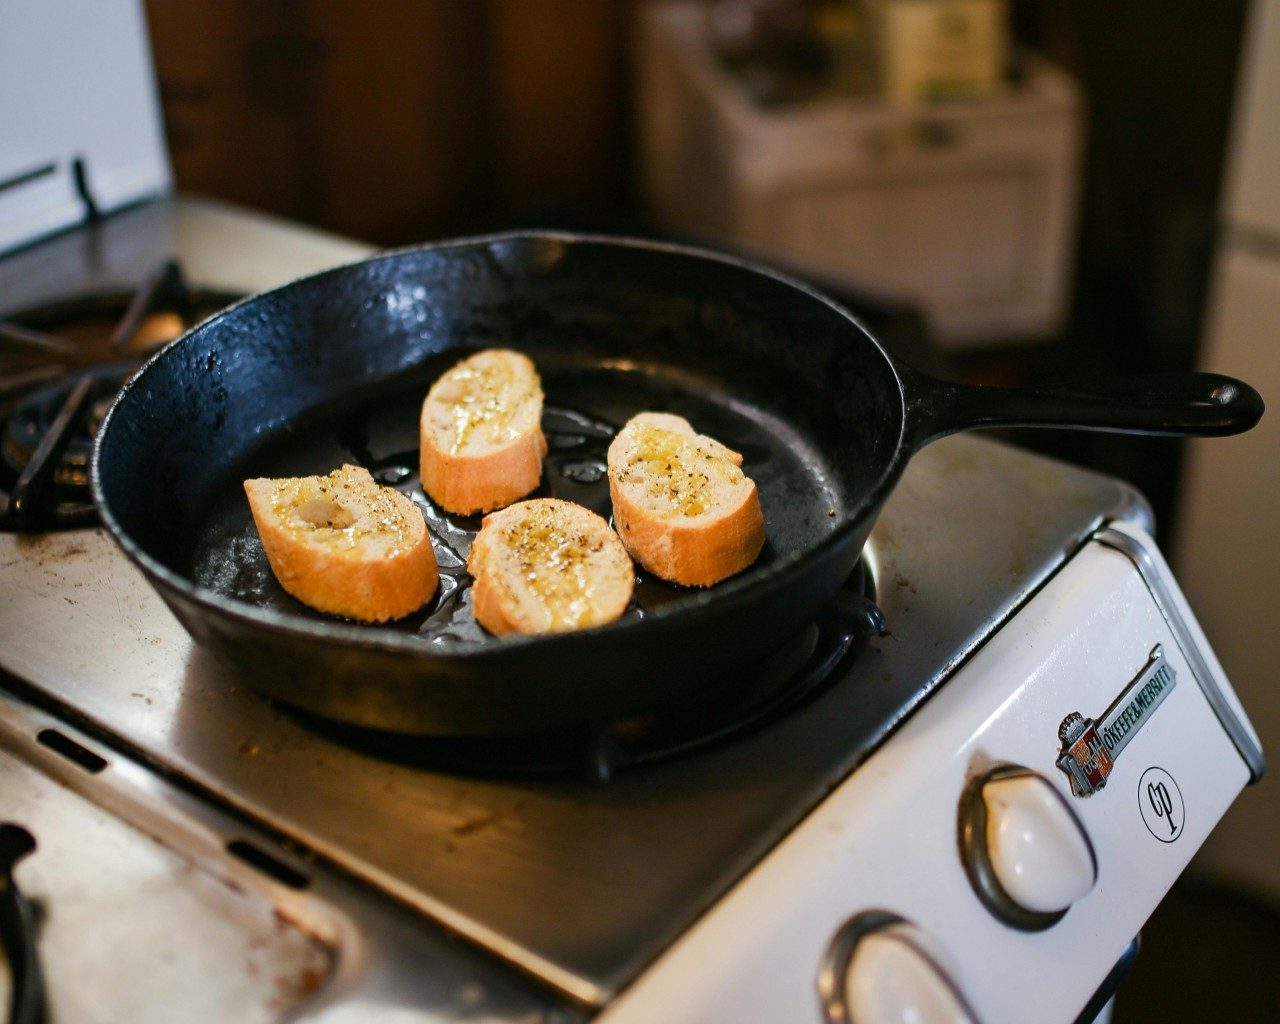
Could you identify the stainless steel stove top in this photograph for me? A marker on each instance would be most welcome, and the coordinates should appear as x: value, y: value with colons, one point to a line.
x: 579, y: 884
x: 148, y: 916
x: 220, y: 247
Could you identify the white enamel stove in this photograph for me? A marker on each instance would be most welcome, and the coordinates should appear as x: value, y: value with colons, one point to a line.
x: 957, y: 875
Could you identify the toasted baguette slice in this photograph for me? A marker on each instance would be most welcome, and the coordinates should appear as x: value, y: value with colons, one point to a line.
x: 548, y: 566
x: 344, y: 545
x: 681, y: 503
x: 481, y: 433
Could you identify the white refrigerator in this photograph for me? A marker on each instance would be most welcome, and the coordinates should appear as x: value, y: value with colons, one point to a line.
x: 1231, y: 496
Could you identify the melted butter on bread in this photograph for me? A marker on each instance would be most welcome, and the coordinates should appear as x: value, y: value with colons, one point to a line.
x: 480, y: 433
x: 346, y: 510
x: 681, y: 503
x: 485, y: 395
x: 547, y: 566
x: 343, y: 544
x: 554, y: 561
x: 677, y: 471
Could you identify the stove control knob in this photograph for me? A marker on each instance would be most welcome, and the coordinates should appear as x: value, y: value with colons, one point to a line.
x: 1026, y: 853
x: 883, y: 970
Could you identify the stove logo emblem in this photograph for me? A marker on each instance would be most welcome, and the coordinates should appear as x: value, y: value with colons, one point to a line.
x: 1090, y: 749
x: 1083, y: 756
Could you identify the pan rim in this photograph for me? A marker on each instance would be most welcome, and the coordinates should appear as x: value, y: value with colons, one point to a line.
x: 726, y: 595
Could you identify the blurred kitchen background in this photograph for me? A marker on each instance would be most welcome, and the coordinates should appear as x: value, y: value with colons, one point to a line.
x: 1008, y: 191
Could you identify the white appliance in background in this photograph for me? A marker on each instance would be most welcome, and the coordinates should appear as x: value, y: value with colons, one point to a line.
x: 86, y: 67
x: 1228, y: 544
x: 967, y: 209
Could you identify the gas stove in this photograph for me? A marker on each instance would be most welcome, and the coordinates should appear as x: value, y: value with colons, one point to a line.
x: 958, y: 795
x: 283, y: 870
x: 1014, y: 592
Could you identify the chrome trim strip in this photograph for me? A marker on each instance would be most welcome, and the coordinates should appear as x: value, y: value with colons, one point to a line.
x: 1132, y: 549
x: 1133, y: 508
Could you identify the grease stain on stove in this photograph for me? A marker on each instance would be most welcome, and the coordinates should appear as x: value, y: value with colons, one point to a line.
x: 48, y: 548
x: 57, y: 552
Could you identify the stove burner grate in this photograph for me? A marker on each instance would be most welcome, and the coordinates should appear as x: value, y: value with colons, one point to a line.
x: 795, y: 674
x: 47, y: 443
x: 60, y: 367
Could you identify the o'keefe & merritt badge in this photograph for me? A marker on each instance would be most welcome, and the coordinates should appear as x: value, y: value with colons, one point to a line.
x: 1090, y: 749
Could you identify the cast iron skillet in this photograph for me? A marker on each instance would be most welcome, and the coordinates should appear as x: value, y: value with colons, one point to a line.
x: 333, y: 368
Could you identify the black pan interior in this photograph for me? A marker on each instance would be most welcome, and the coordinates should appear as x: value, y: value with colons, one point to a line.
x: 586, y: 405
x: 333, y: 369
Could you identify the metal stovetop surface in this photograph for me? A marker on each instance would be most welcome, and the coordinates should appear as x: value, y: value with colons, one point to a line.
x: 148, y: 914
x: 580, y: 884
x: 220, y: 247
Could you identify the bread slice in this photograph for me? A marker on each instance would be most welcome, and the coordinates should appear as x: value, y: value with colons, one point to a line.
x: 345, y: 545
x: 548, y: 566
x: 681, y: 503
x: 481, y: 433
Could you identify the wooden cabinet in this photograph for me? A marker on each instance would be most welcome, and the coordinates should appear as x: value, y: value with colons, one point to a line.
x: 396, y: 121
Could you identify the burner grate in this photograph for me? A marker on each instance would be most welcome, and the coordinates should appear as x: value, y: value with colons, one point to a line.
x: 60, y: 367
x: 795, y: 674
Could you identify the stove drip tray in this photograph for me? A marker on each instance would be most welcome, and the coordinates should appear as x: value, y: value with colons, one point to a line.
x: 792, y: 676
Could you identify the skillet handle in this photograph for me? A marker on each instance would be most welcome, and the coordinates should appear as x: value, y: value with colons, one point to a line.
x: 1171, y: 405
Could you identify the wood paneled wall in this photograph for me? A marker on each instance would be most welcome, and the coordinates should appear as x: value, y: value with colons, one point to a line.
x: 398, y: 120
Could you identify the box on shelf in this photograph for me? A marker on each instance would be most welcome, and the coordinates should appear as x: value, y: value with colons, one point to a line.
x: 942, y: 49
x: 967, y: 208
